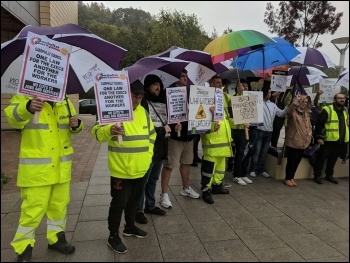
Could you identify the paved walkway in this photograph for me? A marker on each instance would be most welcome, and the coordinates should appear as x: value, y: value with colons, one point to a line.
x: 264, y: 221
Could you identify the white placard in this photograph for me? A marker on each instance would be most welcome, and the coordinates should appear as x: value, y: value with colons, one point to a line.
x: 219, y: 105
x: 45, y: 68
x: 198, y: 73
x: 279, y: 83
x: 308, y: 91
x: 177, y: 104
x: 113, y: 97
x: 329, y: 90
x: 259, y: 103
x: 244, y: 109
x: 199, y: 116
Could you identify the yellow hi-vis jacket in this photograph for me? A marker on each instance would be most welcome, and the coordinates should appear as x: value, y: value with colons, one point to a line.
x: 332, y: 125
x: 132, y: 158
x: 46, y: 151
x: 218, y: 144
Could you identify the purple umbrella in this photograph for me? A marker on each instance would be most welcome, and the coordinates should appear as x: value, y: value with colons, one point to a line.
x: 197, y: 56
x: 89, y: 53
x: 311, y: 56
x: 303, y: 72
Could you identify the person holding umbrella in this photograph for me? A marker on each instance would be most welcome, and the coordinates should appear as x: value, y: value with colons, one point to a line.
x: 44, y: 170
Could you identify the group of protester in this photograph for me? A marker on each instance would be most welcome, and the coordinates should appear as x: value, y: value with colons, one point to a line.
x: 151, y: 149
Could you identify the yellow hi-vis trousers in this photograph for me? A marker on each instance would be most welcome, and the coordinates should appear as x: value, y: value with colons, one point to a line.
x: 36, y: 201
x: 219, y: 169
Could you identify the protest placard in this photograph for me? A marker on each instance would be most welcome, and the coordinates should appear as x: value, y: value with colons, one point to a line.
x: 219, y: 105
x: 244, y: 109
x: 113, y: 97
x: 329, y: 90
x: 259, y: 104
x: 177, y: 104
x: 279, y: 80
x: 44, y: 68
x: 199, y: 116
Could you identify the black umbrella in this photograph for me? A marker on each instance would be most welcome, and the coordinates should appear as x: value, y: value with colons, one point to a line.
x: 251, y: 75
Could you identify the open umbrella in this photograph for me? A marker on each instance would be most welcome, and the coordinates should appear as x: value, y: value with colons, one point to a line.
x: 232, y: 44
x: 268, y: 56
x: 343, y: 79
x: 89, y: 53
x: 311, y: 56
x: 168, y: 69
x: 235, y: 73
x: 197, y: 56
x: 307, y: 75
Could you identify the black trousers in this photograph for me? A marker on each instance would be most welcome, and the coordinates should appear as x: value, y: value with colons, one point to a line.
x: 125, y: 195
x: 330, y: 151
x: 293, y: 161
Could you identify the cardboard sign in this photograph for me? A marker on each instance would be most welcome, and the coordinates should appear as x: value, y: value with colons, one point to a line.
x: 113, y: 97
x: 177, y: 104
x: 279, y: 80
x: 329, y: 90
x: 199, y: 115
x: 244, y: 109
x: 45, y: 68
x: 259, y: 103
x: 219, y: 105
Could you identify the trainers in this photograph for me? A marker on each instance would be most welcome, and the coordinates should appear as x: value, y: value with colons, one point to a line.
x: 252, y: 174
x: 239, y: 181
x: 117, y: 245
x: 331, y: 179
x: 226, y: 185
x: 62, y: 245
x: 219, y: 189
x: 26, y: 256
x: 189, y: 192
x: 134, y: 231
x: 247, y: 180
x: 140, y: 218
x: 155, y: 211
x: 265, y: 174
x: 206, y: 196
x: 318, y: 180
x: 165, y: 200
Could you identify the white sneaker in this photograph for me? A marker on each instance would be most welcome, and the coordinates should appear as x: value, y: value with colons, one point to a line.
x: 265, y: 174
x: 252, y: 174
x: 226, y: 184
x: 189, y: 192
x: 165, y: 200
x: 239, y: 181
x: 247, y: 180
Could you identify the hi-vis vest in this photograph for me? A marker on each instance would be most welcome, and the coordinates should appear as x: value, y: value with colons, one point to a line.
x: 218, y: 144
x: 132, y: 158
x: 332, y: 124
x: 46, y: 151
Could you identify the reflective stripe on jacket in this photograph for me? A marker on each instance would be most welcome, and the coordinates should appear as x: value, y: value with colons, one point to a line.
x: 132, y: 158
x: 46, y: 151
x: 332, y: 125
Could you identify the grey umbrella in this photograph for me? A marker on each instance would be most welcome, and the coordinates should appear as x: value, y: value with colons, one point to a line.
x: 242, y: 74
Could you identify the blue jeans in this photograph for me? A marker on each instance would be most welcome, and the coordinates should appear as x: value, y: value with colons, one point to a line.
x: 260, y: 149
x: 149, y: 188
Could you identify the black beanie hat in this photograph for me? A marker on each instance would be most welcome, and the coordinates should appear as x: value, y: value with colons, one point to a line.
x: 151, y: 79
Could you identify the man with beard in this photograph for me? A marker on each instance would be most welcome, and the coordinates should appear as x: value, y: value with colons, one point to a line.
x: 334, y: 120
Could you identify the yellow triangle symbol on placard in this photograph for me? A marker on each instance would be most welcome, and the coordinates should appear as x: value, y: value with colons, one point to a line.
x: 200, y: 113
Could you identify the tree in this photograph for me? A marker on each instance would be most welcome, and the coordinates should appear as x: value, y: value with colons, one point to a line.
x: 301, y: 22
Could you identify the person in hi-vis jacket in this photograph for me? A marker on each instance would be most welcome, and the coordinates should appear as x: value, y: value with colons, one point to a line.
x: 216, y: 147
x: 44, y: 170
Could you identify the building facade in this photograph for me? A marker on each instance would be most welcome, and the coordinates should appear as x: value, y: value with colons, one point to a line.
x: 17, y: 14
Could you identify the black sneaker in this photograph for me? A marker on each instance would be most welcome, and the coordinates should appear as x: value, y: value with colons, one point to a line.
x: 219, y: 190
x: 134, y: 231
x: 117, y: 245
x: 317, y: 180
x: 140, y: 218
x: 206, y: 196
x: 155, y: 211
x: 26, y: 256
x: 331, y: 179
x: 62, y: 245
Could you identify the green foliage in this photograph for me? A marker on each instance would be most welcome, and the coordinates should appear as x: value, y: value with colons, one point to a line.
x: 4, y: 179
x: 301, y: 22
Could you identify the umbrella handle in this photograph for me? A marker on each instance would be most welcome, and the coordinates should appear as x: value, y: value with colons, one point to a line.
x: 246, y: 131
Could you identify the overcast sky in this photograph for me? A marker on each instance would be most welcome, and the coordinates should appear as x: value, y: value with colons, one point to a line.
x: 220, y: 15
